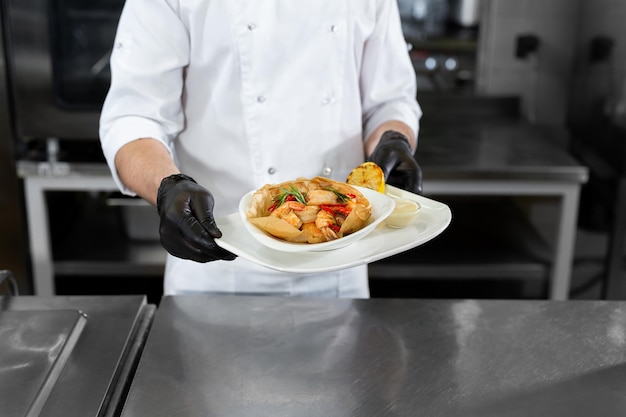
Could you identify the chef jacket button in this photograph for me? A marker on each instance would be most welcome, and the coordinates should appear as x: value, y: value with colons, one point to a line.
x: 271, y: 170
x: 328, y: 100
x: 333, y: 28
x: 327, y: 171
x: 260, y: 99
x: 251, y: 26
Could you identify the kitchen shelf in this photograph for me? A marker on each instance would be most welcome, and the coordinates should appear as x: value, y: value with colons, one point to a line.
x: 93, y: 253
x: 488, y: 239
x: 452, y: 40
x: 94, y: 242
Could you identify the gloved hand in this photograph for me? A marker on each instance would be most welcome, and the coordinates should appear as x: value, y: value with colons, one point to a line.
x: 187, y: 226
x: 393, y: 154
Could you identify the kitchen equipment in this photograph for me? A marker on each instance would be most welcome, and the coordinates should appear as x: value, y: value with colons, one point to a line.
x: 465, y: 13
x: 428, y: 16
x: 57, y: 54
x: 57, y: 59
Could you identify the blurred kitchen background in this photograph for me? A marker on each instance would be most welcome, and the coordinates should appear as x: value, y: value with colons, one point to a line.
x: 503, y: 65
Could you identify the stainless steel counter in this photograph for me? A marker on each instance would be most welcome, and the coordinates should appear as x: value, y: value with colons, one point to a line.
x: 69, y: 356
x: 513, y: 151
x: 247, y: 356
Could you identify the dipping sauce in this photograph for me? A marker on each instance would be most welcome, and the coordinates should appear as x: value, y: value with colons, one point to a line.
x: 405, y: 212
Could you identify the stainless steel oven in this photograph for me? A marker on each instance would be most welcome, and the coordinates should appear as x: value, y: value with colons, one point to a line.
x: 58, y: 62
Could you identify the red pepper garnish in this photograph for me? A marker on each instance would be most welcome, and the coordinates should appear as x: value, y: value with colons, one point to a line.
x: 334, y: 227
x: 345, y: 210
x: 335, y: 209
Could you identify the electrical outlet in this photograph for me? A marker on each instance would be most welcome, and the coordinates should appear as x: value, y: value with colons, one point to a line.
x: 526, y: 45
x: 600, y: 49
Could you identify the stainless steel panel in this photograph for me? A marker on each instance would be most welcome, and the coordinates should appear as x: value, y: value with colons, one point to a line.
x: 33, y: 43
x: 97, y: 373
x: 35, y: 347
x: 247, y: 356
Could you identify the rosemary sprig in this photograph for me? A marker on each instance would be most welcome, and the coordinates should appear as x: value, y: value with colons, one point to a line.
x: 341, y: 196
x: 297, y: 194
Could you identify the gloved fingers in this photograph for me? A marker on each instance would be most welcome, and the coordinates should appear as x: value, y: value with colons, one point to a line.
x: 202, y: 212
x: 201, y: 208
x: 413, y: 182
x: 193, y: 242
x: 184, y: 251
x: 413, y: 173
x: 387, y: 170
x: 207, y: 221
x: 198, y: 237
x: 401, y: 169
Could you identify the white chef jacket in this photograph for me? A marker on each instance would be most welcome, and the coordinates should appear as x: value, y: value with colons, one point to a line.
x: 249, y: 92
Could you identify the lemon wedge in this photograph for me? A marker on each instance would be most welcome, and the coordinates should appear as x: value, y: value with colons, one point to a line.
x: 368, y: 175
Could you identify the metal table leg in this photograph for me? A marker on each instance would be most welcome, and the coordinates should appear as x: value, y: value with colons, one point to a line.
x: 565, y: 242
x: 39, y: 237
x: 35, y: 188
x: 615, y: 287
x: 568, y: 194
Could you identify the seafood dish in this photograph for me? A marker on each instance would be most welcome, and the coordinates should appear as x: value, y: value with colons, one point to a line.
x: 309, y: 210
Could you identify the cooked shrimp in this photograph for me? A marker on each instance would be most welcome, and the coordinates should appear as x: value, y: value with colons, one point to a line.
x: 312, y: 233
x: 286, y: 212
x: 326, y: 222
x: 319, y: 197
x: 309, y: 214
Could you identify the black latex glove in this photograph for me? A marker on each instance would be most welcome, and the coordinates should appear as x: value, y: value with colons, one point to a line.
x: 393, y: 154
x: 188, y: 229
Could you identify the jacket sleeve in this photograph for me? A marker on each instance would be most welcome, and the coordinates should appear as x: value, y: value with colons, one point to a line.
x: 388, y: 81
x: 150, y: 50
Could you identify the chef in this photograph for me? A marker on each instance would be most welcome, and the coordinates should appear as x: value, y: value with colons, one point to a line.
x: 210, y: 99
